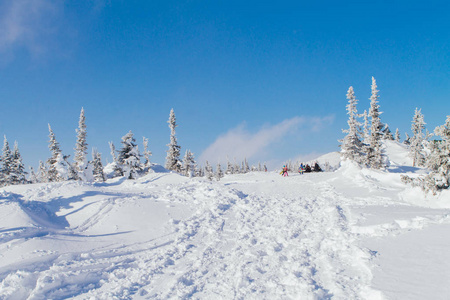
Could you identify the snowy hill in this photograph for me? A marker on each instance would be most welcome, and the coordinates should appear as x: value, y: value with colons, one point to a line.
x: 349, y: 234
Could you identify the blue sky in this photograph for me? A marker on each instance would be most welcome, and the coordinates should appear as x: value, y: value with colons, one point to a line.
x: 267, y: 79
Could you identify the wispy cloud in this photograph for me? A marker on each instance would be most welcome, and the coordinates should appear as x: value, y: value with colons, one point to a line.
x: 238, y: 143
x: 27, y: 24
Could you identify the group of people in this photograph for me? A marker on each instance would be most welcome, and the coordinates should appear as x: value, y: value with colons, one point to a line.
x: 302, y: 169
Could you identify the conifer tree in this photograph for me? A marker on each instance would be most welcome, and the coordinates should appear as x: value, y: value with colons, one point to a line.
x: 387, y: 134
x: 438, y: 162
x: 366, y: 131
x: 52, y: 172
x: 129, y: 157
x: 43, y: 176
x: 374, y: 155
x: 208, y: 171
x: 18, y: 168
x: 173, y: 162
x: 80, y: 160
x: 229, y: 169
x: 246, y: 167
x: 7, y: 164
x: 188, y: 168
x: 407, y: 140
x: 33, y: 176
x: 146, y: 153
x: 113, y: 151
x: 116, y: 166
x: 97, y: 166
x: 397, y: 135
x: 219, y: 172
x: 351, y: 147
x: 416, y: 147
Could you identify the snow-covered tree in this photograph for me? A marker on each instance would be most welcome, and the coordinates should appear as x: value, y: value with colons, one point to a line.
x: 416, y: 147
x: 397, y: 135
x: 33, y: 176
x: 208, y: 171
x: 438, y: 162
x: 97, y: 166
x: 80, y: 160
x: 199, y: 172
x: 366, y: 131
x: 146, y: 153
x: 351, y: 147
x: 387, y: 134
x: 219, y: 172
x: 374, y: 152
x: 407, y: 140
x: 113, y: 151
x: 188, y: 168
x: 7, y: 164
x: 129, y: 157
x: 43, y: 176
x: 173, y: 162
x: 229, y: 169
x: 115, y: 164
x: 18, y: 169
x: 52, y: 172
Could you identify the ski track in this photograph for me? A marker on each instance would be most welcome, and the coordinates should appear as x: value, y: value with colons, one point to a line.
x: 264, y: 245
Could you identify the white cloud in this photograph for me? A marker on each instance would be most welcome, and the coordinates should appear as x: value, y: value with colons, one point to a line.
x: 238, y: 143
x: 28, y: 24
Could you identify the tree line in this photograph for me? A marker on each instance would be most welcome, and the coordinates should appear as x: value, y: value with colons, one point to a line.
x: 125, y: 162
x: 362, y: 143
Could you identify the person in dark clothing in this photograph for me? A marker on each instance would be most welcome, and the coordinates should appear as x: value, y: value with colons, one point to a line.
x: 307, y: 168
x: 317, y: 168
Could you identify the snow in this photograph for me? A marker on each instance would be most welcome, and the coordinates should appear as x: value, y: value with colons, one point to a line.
x: 350, y: 234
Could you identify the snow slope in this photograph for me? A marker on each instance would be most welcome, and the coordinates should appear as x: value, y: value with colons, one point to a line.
x: 349, y: 234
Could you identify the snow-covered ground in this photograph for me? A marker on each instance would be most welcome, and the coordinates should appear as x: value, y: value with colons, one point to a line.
x: 349, y: 234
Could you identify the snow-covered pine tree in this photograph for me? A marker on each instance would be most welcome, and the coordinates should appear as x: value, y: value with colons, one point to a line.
x: 219, y: 172
x: 397, y: 135
x: 43, y: 176
x: 374, y: 152
x: 173, y: 162
x: 208, y: 171
x: 113, y: 151
x: 97, y: 166
x: 438, y: 162
x: 116, y: 167
x: 229, y: 169
x: 129, y: 157
x: 247, y: 168
x: 441, y: 159
x: 146, y: 154
x: 80, y: 159
x: 7, y: 164
x: 407, y: 140
x: 199, y: 172
x: 18, y: 168
x: 387, y: 134
x: 366, y: 131
x: 52, y: 173
x: 188, y: 168
x: 416, y: 147
x: 351, y: 147
x: 33, y: 176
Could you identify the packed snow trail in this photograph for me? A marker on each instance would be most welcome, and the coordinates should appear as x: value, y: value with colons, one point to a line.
x: 262, y: 246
